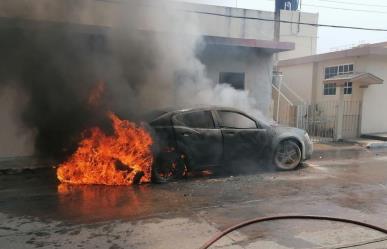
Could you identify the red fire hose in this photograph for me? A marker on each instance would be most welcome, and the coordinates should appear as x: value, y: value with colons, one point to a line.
x: 287, y: 217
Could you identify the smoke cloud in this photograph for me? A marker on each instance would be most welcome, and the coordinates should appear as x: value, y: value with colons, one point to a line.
x: 147, y: 60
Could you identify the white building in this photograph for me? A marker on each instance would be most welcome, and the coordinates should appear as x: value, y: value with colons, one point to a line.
x: 351, y: 76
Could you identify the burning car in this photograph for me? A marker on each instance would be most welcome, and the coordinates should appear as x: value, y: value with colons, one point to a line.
x: 217, y: 138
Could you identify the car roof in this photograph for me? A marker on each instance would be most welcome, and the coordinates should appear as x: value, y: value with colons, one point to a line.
x: 168, y: 112
x: 199, y: 108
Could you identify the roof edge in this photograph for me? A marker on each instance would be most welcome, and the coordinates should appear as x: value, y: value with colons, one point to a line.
x: 273, y: 46
x: 357, y: 51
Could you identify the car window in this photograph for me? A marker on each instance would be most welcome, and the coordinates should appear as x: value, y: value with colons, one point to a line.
x: 236, y: 120
x: 201, y: 119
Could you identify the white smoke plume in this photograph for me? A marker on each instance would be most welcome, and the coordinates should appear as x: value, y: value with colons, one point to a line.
x: 177, y: 78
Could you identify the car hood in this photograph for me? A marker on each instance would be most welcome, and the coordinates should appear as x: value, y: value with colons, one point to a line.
x: 287, y: 130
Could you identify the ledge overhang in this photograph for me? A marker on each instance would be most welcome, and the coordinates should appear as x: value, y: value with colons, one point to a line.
x: 362, y: 79
x: 267, y: 45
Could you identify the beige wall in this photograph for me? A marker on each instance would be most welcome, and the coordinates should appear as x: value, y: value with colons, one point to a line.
x: 374, y: 115
x: 356, y: 91
x: 256, y: 66
x: 111, y: 13
x: 299, y: 78
x: 374, y: 98
x: 304, y: 37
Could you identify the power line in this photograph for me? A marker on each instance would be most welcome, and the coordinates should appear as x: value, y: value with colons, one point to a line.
x: 343, y: 8
x: 340, y: 8
x: 271, y: 20
x: 355, y: 3
x: 289, y: 22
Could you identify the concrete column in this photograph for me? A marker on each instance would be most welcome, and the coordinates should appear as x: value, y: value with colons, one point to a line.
x: 315, y: 83
x: 277, y: 29
x: 340, y: 114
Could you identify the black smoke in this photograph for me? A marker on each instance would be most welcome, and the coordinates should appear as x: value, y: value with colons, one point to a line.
x: 57, y: 68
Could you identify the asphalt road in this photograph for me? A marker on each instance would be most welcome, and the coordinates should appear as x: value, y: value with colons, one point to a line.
x: 37, y: 212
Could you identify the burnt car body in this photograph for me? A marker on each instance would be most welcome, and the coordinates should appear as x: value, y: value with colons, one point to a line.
x: 216, y: 137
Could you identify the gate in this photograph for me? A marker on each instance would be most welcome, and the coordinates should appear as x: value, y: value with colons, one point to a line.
x: 321, y: 120
x: 351, y: 119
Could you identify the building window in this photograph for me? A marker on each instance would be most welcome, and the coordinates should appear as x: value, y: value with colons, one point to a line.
x: 330, y: 72
x: 236, y: 80
x: 338, y: 70
x: 97, y: 42
x: 330, y: 89
x: 348, y: 88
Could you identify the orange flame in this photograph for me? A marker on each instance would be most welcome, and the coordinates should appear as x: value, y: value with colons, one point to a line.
x: 123, y: 158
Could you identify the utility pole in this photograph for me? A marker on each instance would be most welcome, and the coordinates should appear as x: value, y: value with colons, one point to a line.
x: 277, y: 19
x: 277, y: 28
x: 276, y: 75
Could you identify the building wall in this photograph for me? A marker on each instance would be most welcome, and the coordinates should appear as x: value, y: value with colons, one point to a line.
x: 357, y: 92
x: 15, y: 140
x: 374, y: 118
x: 373, y: 98
x: 304, y: 37
x: 300, y: 79
x: 112, y: 13
x: 257, y: 66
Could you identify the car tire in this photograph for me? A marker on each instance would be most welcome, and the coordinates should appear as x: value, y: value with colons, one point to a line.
x: 287, y: 155
x: 163, y: 171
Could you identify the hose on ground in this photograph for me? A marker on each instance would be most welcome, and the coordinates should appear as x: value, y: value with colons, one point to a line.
x: 287, y: 217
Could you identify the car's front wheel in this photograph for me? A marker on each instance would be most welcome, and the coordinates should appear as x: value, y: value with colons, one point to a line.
x: 287, y: 155
x: 165, y: 170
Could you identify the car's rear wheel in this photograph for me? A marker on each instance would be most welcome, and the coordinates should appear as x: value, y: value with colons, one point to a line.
x: 287, y: 155
x: 165, y: 171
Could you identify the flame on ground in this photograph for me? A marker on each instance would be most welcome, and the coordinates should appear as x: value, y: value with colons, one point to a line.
x: 123, y: 158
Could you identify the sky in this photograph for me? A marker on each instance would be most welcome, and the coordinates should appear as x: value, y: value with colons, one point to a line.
x: 369, y: 14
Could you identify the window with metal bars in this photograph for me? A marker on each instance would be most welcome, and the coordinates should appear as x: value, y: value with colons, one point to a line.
x: 330, y: 89
x: 348, y: 88
x: 338, y: 70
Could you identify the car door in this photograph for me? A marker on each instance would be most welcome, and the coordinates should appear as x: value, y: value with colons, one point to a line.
x: 243, y: 138
x: 197, y: 137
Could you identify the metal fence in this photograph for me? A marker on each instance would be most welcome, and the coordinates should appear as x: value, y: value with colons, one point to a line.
x: 351, y: 119
x: 320, y: 120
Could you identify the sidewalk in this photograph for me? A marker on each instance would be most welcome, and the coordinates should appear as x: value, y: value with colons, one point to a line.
x: 369, y: 143
x: 22, y: 163
x: 348, y: 149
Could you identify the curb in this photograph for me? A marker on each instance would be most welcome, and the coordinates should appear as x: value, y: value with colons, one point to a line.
x: 23, y: 164
x: 376, y: 145
x: 16, y: 171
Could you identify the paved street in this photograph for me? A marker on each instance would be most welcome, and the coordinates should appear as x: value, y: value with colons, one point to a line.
x: 36, y: 212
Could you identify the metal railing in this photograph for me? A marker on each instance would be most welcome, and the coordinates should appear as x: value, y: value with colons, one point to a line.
x: 320, y: 120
